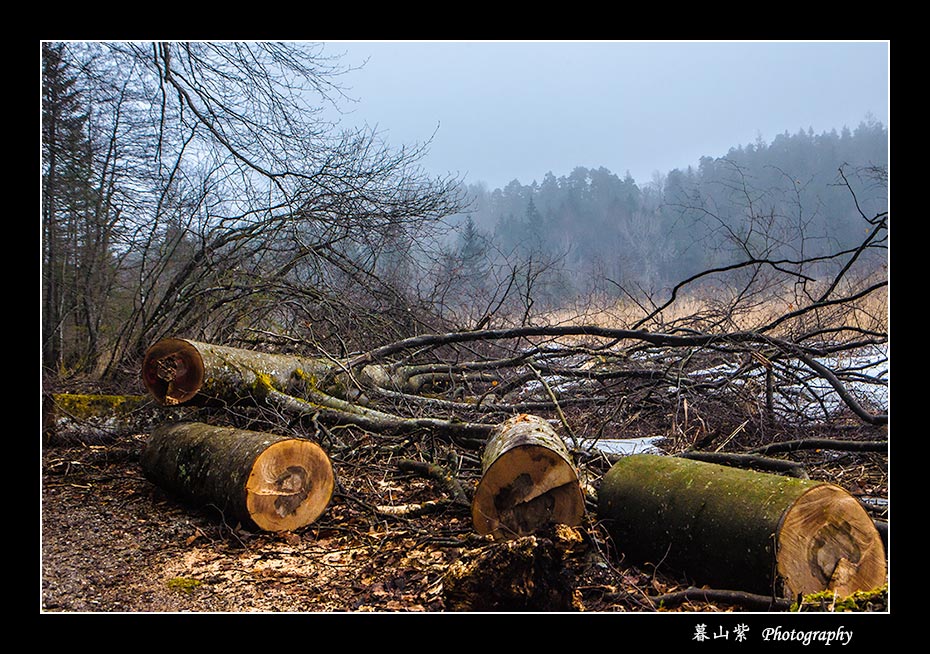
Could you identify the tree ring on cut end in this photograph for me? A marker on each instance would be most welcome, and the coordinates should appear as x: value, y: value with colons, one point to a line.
x: 290, y: 485
x: 827, y: 541
x: 173, y: 371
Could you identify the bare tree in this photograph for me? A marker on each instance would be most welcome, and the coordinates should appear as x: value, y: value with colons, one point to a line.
x: 227, y: 189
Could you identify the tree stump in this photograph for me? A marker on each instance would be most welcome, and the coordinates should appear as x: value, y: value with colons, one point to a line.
x: 265, y: 481
x: 528, y: 481
x: 520, y: 574
x: 740, y: 529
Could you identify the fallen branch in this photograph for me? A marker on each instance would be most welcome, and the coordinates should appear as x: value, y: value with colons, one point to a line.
x: 750, y: 601
x: 412, y: 510
x: 440, y: 474
x: 376, y: 421
x: 822, y: 444
x: 845, y: 395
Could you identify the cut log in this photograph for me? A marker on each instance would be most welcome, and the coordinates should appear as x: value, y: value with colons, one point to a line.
x: 528, y: 481
x: 265, y: 481
x: 740, y: 529
x: 177, y: 370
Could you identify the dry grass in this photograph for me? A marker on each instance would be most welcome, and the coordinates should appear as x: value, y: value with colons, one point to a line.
x: 724, y: 310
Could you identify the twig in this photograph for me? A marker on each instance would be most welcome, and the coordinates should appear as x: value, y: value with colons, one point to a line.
x: 749, y: 601
x: 558, y: 408
x: 822, y: 444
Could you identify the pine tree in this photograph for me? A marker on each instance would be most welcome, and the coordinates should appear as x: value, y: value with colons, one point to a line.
x: 65, y: 162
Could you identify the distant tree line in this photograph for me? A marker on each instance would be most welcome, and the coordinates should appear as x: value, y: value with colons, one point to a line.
x: 594, y: 231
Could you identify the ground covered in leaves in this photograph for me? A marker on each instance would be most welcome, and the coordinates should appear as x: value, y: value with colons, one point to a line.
x: 113, y: 542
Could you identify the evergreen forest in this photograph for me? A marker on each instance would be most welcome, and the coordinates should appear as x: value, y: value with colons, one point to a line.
x: 594, y: 233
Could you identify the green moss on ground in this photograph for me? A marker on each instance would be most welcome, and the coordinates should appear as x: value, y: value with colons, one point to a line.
x: 860, y: 601
x: 81, y: 406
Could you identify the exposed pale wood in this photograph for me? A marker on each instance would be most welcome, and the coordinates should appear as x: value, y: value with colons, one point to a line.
x: 827, y: 541
x: 740, y: 529
x: 265, y: 481
x: 528, y: 481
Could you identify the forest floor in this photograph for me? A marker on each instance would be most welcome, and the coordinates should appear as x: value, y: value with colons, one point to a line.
x: 114, y: 542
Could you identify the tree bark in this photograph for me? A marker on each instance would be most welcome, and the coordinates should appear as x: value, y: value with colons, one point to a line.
x: 265, y: 481
x: 176, y: 370
x: 528, y: 481
x: 181, y: 372
x: 740, y: 529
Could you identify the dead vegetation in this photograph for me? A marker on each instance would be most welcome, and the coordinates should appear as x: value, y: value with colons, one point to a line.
x: 397, y: 534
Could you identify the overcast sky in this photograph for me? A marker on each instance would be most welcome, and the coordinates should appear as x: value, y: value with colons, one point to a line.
x: 516, y: 110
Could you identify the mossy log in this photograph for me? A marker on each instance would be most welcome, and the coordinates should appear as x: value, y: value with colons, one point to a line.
x: 176, y: 370
x: 81, y: 418
x: 179, y: 371
x: 528, y: 481
x: 740, y: 529
x: 265, y: 481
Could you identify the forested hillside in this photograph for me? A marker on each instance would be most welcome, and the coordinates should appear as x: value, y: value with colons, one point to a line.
x: 593, y: 230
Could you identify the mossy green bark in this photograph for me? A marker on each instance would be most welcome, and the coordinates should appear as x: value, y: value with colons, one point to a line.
x: 715, y: 524
x: 230, y: 470
x: 70, y: 418
x: 84, y: 406
x: 829, y: 601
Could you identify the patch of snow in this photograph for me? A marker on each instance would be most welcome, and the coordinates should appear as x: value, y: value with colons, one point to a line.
x: 625, y: 446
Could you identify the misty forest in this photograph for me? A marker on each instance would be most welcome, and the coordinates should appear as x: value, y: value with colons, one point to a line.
x: 283, y: 369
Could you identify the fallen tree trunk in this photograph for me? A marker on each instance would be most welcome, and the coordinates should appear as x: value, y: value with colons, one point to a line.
x: 69, y: 418
x: 528, y: 481
x: 176, y: 370
x: 740, y: 529
x: 265, y: 481
x: 180, y: 372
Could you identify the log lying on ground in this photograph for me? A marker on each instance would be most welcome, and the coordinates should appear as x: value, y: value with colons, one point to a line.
x: 265, y: 481
x: 740, y: 529
x: 528, y: 481
x: 69, y: 418
x: 177, y: 370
